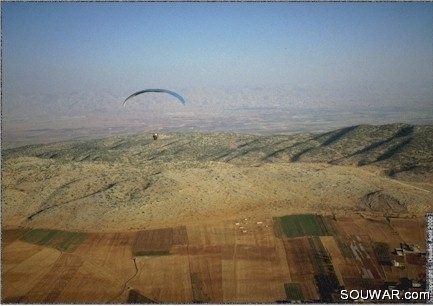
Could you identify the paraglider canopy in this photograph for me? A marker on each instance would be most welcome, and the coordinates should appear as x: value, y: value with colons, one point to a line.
x: 174, y: 94
x: 179, y: 97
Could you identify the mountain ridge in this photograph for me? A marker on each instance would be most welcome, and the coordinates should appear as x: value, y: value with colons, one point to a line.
x: 127, y: 182
x: 395, y: 146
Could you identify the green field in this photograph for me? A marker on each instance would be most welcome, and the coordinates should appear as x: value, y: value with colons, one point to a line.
x: 304, y: 225
x: 61, y: 240
x: 294, y: 292
x: 152, y: 253
x: 381, y: 250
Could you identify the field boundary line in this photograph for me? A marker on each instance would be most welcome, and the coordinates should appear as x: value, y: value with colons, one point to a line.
x: 126, y: 282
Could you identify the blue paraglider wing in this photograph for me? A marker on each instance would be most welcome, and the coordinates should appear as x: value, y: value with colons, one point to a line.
x: 181, y: 99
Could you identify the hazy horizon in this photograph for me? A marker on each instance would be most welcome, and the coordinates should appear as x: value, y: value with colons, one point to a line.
x: 241, y: 67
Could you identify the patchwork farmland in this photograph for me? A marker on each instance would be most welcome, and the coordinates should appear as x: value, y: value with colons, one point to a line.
x: 246, y: 260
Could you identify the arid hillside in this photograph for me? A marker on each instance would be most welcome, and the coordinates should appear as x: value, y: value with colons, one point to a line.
x: 131, y: 182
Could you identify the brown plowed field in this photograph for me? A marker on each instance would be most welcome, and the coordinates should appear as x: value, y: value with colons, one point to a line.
x: 108, y: 254
x: 49, y: 288
x: 164, y: 278
x: 160, y: 239
x: 22, y: 276
x: 410, y: 230
x: 376, y: 229
x: 206, y: 274
x: 298, y: 255
x: 228, y: 261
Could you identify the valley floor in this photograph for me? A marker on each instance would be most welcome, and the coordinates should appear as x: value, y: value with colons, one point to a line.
x: 253, y: 259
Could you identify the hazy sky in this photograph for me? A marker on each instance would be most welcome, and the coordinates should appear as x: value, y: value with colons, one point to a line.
x: 346, y: 48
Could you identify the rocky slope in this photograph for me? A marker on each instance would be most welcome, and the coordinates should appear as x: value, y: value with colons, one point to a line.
x: 132, y: 182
